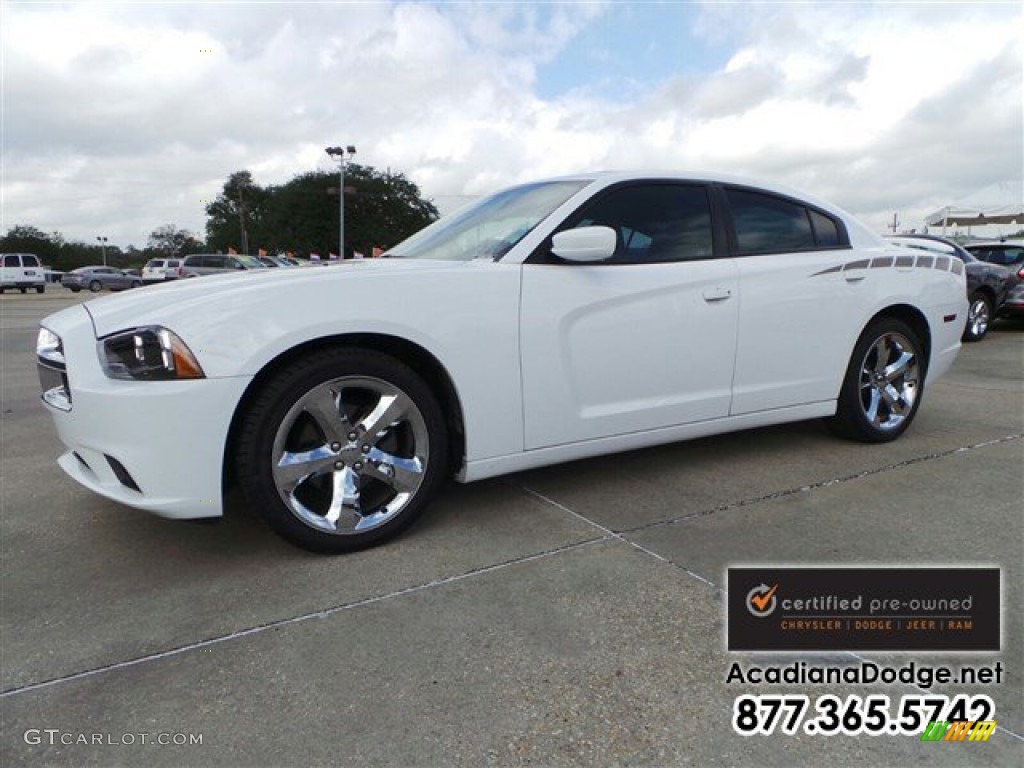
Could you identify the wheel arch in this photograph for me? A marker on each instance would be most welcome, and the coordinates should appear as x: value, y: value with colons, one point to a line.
x: 422, y: 361
x: 917, y: 321
x: 988, y: 291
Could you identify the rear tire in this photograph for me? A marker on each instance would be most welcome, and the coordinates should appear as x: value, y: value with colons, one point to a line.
x: 40, y: 289
x: 883, y: 385
x: 342, y: 450
x: 979, y: 318
x: 95, y: 286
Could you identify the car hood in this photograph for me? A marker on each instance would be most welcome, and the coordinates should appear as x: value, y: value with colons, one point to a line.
x: 154, y: 304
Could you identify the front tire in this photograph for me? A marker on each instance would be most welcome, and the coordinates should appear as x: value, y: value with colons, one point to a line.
x: 40, y: 289
x: 979, y: 317
x: 342, y: 450
x: 95, y: 286
x: 883, y: 384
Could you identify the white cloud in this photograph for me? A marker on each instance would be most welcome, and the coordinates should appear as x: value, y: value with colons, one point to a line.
x: 119, y: 118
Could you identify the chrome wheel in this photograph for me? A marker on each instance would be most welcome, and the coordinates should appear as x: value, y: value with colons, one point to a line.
x: 978, y: 318
x: 350, y: 455
x: 889, y: 381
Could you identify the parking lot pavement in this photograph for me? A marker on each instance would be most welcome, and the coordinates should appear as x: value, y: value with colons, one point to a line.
x: 566, y: 616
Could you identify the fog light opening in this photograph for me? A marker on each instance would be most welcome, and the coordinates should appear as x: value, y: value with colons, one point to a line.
x: 122, y: 474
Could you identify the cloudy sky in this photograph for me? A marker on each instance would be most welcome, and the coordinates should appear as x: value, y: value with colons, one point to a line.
x: 122, y: 117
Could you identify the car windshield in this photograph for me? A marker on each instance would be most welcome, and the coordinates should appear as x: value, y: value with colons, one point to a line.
x: 251, y: 262
x: 490, y: 227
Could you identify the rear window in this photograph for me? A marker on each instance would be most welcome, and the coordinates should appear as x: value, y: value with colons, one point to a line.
x: 766, y: 223
x: 1007, y: 256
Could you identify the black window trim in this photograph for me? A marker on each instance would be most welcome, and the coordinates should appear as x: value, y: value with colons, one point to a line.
x: 734, y: 250
x: 719, y: 235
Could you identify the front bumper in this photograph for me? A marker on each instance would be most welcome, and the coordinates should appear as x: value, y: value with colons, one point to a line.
x: 157, y: 446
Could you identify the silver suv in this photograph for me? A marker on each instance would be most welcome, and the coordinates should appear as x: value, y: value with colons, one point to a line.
x: 198, y: 264
x: 161, y: 270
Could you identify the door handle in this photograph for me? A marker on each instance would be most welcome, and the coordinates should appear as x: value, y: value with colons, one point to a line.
x: 716, y: 294
x: 855, y: 277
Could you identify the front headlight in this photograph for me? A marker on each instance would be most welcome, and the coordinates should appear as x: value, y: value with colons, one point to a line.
x: 151, y: 353
x: 49, y: 347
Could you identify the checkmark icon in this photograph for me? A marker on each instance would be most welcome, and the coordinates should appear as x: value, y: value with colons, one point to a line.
x: 762, y: 601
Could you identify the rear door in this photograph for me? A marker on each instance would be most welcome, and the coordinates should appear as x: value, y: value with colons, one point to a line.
x: 801, y: 311
x: 643, y: 341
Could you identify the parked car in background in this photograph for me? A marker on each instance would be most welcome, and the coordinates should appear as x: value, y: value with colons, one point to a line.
x: 198, y: 264
x: 1008, y: 254
x: 22, y: 271
x: 545, y: 323
x: 97, y: 278
x: 987, y: 284
x: 276, y: 261
x: 161, y: 270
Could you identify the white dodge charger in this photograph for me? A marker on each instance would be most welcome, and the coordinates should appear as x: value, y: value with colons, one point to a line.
x: 549, y: 322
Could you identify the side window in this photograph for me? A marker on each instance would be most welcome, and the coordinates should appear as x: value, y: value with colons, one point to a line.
x: 826, y: 233
x: 12, y: 260
x: 654, y: 222
x: 765, y: 223
x: 28, y: 260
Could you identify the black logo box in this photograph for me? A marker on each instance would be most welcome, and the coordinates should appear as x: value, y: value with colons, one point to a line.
x: 921, y: 609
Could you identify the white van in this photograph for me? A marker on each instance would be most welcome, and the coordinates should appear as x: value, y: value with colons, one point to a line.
x: 21, y: 271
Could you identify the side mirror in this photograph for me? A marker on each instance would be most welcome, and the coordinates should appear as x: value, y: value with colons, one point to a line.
x: 585, y: 244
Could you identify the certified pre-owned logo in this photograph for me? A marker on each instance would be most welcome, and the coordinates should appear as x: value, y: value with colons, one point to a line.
x: 761, y: 600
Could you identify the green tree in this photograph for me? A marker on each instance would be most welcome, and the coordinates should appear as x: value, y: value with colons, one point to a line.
x: 381, y: 209
x: 168, y: 240
x: 236, y: 214
x: 27, y: 239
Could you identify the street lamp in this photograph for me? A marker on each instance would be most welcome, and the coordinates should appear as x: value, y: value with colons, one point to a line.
x: 103, y: 249
x: 339, y: 154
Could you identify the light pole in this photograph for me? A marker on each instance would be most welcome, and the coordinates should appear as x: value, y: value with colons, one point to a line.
x: 103, y: 249
x: 339, y: 154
